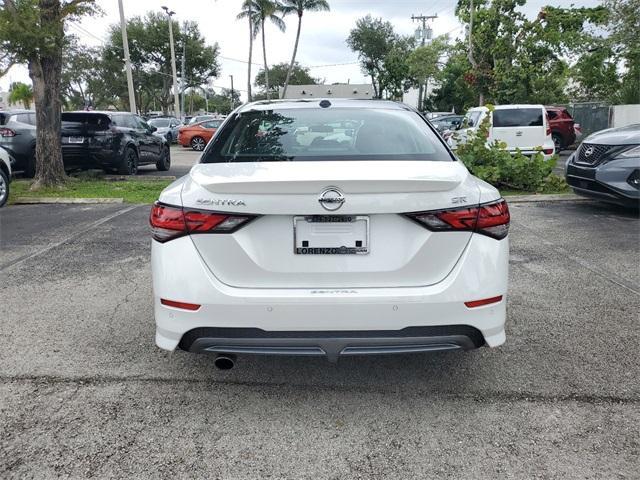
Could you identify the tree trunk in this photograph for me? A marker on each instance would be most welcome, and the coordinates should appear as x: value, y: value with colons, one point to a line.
x: 293, y: 57
x: 45, y: 74
x: 266, y: 68
x: 250, y: 55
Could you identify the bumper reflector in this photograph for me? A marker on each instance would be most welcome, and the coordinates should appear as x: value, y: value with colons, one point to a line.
x: 181, y: 305
x: 484, y: 301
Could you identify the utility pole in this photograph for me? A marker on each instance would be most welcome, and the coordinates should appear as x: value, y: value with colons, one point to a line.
x: 182, y: 75
x: 127, y: 60
x: 470, y: 56
x: 423, y: 38
x: 233, y: 104
x: 176, y: 106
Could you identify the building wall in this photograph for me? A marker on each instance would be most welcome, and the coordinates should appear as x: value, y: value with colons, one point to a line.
x: 623, y: 115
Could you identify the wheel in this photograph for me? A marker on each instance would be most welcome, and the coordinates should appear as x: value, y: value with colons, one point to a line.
x: 30, y: 167
x: 129, y: 165
x: 4, y: 188
x: 557, y: 141
x: 198, y: 144
x: 164, y: 163
x: 169, y: 138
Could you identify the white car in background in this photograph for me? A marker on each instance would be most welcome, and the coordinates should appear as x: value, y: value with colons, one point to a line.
x: 5, y: 176
x: 376, y: 242
x: 521, y: 127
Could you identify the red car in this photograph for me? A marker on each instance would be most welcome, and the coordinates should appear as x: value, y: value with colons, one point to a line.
x: 198, y: 135
x: 564, y: 129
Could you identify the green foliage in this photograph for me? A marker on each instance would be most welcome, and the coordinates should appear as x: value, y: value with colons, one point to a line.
x: 21, y: 93
x: 495, y: 165
x: 79, y: 71
x: 278, y: 74
x: 453, y: 90
x: 373, y: 39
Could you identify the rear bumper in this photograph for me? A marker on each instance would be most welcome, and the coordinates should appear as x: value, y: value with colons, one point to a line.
x: 329, y: 322
x: 332, y: 345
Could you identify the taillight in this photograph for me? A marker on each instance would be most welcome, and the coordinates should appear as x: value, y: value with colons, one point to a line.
x: 491, y: 219
x: 7, y: 132
x: 169, y: 222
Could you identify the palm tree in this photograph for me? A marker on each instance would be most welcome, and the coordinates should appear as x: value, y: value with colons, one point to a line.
x: 267, y: 10
x: 299, y: 7
x: 249, y: 12
x: 21, y: 93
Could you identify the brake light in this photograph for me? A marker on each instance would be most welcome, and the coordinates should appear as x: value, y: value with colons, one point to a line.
x: 7, y: 132
x: 491, y: 219
x: 169, y: 222
x: 547, y: 151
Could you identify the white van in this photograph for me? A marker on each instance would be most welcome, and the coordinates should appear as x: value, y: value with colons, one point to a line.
x: 524, y: 127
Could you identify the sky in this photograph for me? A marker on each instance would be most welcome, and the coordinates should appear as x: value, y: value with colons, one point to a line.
x: 322, y: 42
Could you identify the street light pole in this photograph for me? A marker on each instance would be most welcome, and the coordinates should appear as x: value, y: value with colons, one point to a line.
x: 127, y: 60
x: 176, y: 100
x: 182, y: 75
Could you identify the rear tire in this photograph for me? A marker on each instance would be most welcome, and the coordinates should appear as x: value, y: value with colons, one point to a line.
x: 129, y: 165
x: 164, y: 164
x: 198, y: 144
x: 557, y: 142
x: 4, y: 188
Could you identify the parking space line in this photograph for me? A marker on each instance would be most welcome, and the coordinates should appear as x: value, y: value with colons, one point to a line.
x: 613, y: 278
x: 91, y: 226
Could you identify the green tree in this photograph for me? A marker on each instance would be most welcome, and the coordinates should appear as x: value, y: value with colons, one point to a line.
x: 425, y: 62
x: 299, y: 7
x: 453, y: 92
x: 79, y: 70
x: 32, y: 32
x: 151, y: 61
x: 517, y: 59
x: 267, y: 10
x: 395, y: 77
x: 21, y: 93
x: 373, y: 39
x: 278, y: 75
x: 249, y: 13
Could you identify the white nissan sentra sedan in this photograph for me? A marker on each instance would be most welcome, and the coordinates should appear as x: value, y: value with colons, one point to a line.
x: 332, y: 228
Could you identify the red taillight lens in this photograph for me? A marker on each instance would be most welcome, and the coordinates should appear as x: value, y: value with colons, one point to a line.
x: 484, y: 301
x: 547, y: 151
x: 168, y: 222
x: 181, y: 305
x: 7, y: 132
x: 491, y: 219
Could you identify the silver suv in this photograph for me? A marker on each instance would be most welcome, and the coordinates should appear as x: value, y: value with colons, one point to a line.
x: 18, y: 137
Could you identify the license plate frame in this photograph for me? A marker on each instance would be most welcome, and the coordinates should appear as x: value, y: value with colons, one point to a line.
x: 74, y: 140
x: 363, y: 249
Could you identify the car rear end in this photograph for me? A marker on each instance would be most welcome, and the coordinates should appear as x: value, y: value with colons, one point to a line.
x: 523, y: 128
x: 606, y: 166
x: 360, y: 240
x: 89, y: 140
x: 18, y: 137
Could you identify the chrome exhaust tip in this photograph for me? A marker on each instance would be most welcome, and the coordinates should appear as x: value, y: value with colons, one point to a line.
x: 225, y: 362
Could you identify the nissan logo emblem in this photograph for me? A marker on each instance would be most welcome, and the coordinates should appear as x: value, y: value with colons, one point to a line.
x: 331, y: 199
x: 588, y: 152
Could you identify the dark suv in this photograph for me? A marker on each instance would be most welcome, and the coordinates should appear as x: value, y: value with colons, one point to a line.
x: 18, y: 137
x: 562, y: 127
x: 114, y: 141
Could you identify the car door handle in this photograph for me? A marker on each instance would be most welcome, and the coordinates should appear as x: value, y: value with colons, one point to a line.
x: 518, y: 133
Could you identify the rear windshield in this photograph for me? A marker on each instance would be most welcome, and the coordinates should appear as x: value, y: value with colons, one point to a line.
x: 312, y: 134
x: 518, y: 117
x: 93, y: 121
x: 159, y: 122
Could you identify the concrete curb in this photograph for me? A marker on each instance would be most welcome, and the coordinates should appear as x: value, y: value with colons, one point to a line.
x: 563, y: 197
x: 37, y: 200
x: 137, y: 178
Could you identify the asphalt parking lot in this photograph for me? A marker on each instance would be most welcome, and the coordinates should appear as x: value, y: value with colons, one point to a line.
x: 182, y: 159
x: 85, y: 393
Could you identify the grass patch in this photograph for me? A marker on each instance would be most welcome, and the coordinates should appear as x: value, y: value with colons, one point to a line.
x: 132, y: 191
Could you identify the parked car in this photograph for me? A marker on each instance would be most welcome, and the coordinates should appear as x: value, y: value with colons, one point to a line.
x: 198, y: 135
x: 5, y: 176
x: 447, y: 122
x: 114, y: 141
x: 434, y: 115
x: 563, y: 127
x: 18, y: 137
x: 607, y: 166
x: 166, y: 127
x: 521, y: 127
x: 380, y: 242
x: 200, y: 118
